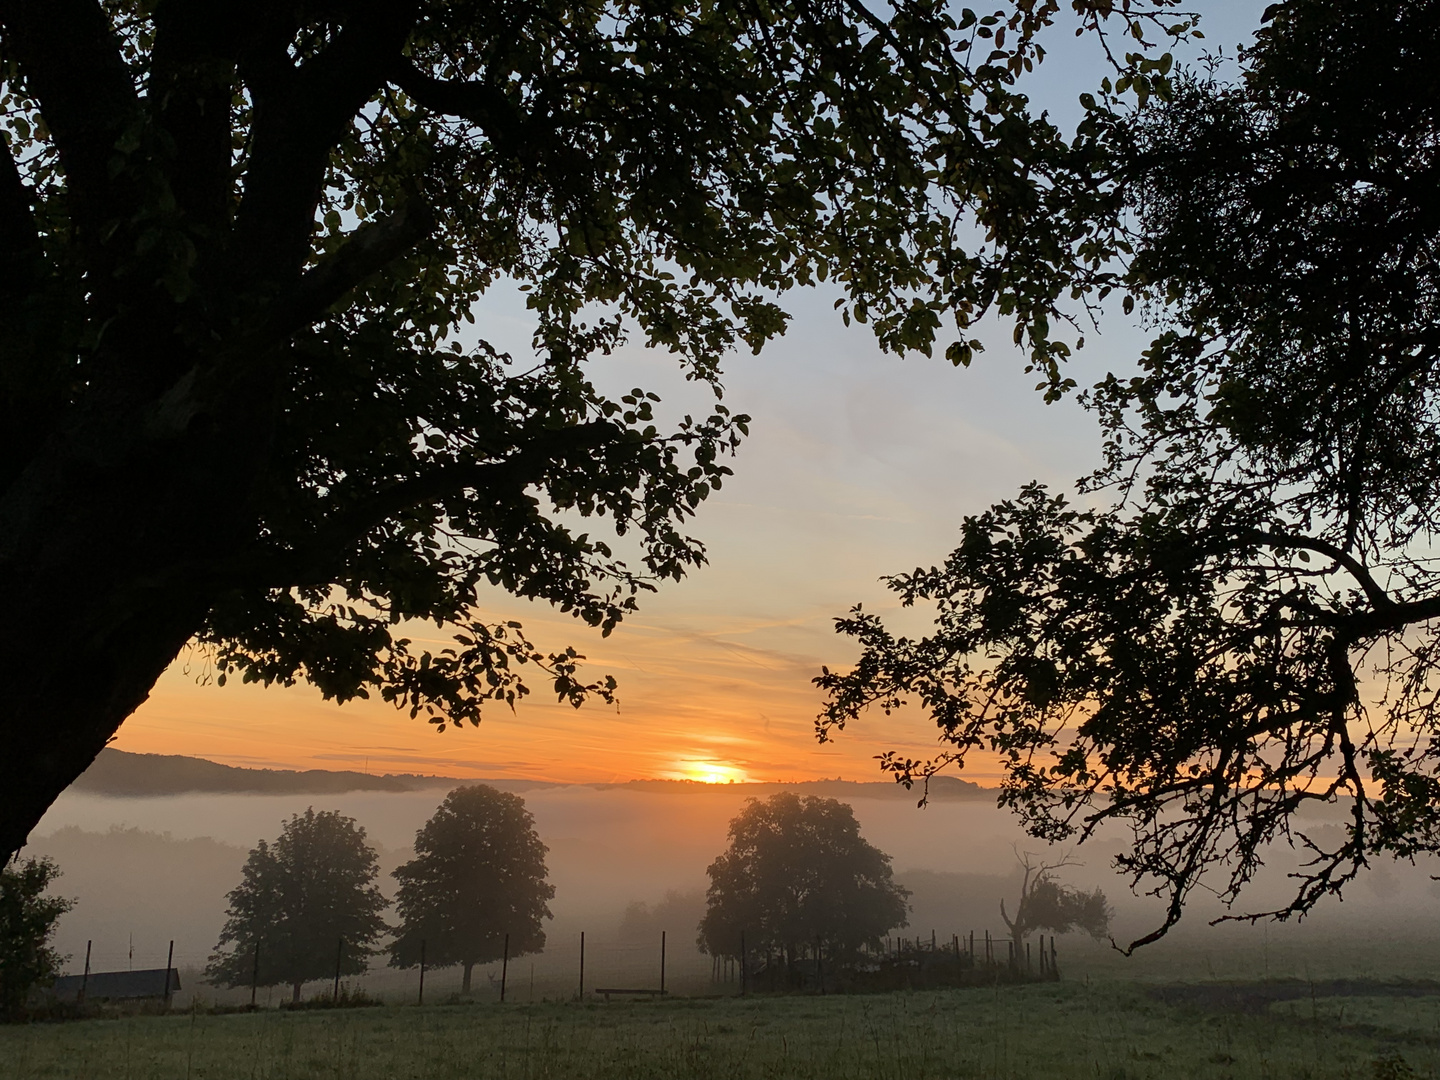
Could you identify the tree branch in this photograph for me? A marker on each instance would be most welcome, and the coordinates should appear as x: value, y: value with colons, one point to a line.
x: 483, y: 105
x: 369, y: 250
x: 517, y: 471
x: 324, y: 550
x: 1358, y: 570
x: 19, y: 240
x: 1394, y: 617
x: 70, y: 61
x: 192, y: 77
x: 298, y: 119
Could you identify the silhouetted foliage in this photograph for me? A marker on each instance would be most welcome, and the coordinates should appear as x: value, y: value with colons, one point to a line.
x: 27, y: 923
x: 478, y: 874
x: 1046, y: 904
x: 240, y: 243
x: 798, y: 870
x: 299, y: 898
x: 1251, y: 626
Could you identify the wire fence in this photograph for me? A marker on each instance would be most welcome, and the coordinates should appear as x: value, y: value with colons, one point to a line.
x: 573, y: 965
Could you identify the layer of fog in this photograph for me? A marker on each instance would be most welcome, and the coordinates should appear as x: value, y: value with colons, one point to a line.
x: 146, y: 871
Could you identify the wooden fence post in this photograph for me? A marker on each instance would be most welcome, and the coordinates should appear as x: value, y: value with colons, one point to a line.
x: 421, y: 1000
x: 582, y: 965
x: 169, y: 959
x: 744, y: 983
x: 504, y: 968
x: 85, y: 979
x: 662, y: 961
x: 255, y: 973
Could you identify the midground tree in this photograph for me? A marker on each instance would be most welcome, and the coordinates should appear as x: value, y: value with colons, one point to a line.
x: 1046, y: 903
x: 28, y: 914
x: 305, y: 904
x: 797, y: 876
x: 478, y: 881
x: 644, y: 923
x: 241, y: 404
x: 1249, y: 626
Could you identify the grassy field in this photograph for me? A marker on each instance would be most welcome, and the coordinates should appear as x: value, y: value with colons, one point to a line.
x: 1106, y: 1030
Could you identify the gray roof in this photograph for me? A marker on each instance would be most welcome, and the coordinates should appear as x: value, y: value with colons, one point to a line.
x: 116, y: 985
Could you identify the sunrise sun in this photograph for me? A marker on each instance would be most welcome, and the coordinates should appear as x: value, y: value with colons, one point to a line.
x: 711, y: 772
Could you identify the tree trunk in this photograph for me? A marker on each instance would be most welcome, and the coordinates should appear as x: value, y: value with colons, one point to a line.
x: 465, y: 985
x: 113, y: 547
x: 62, y: 708
x: 295, y: 993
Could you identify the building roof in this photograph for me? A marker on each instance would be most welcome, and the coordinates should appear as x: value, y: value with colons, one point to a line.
x: 116, y: 985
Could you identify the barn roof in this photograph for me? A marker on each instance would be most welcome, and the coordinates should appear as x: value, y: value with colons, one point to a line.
x: 116, y: 985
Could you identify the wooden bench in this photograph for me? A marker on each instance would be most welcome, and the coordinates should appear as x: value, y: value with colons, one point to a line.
x: 615, y: 990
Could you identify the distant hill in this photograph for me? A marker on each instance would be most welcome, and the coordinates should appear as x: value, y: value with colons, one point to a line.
x: 119, y: 772
x: 123, y: 774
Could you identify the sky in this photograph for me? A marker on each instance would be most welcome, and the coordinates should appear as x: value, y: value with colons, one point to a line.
x: 860, y: 464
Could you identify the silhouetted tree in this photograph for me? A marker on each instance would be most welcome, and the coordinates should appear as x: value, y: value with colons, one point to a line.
x: 679, y: 911
x: 1253, y: 626
x: 27, y: 923
x: 1046, y: 904
x: 241, y: 240
x: 797, y: 869
x: 478, y: 874
x: 299, y: 896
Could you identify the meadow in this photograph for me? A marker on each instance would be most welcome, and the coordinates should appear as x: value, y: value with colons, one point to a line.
x: 1094, y: 1029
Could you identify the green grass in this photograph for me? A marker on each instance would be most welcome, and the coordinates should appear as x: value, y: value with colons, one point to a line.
x: 1109, y: 1031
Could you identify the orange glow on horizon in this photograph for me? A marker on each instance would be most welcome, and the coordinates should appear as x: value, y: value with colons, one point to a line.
x: 710, y: 772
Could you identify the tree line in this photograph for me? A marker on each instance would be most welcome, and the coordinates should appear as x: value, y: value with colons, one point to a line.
x: 795, y: 872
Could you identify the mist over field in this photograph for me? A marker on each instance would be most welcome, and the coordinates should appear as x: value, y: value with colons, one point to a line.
x: 146, y: 870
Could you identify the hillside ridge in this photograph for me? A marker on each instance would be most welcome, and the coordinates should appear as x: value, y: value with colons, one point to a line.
x: 123, y: 774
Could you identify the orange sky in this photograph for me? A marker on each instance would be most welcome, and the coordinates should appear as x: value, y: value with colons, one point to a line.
x: 860, y: 465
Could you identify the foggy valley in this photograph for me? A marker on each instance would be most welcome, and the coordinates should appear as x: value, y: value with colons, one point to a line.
x: 149, y: 869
